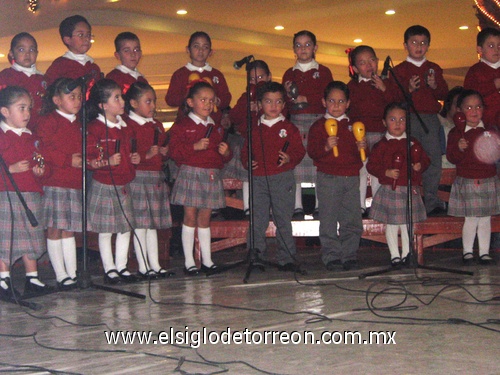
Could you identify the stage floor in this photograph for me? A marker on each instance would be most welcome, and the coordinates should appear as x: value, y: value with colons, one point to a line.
x: 427, y: 322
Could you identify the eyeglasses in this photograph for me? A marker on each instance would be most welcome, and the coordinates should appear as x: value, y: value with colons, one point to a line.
x: 84, y: 36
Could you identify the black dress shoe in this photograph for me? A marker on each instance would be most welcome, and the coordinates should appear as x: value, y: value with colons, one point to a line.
x: 349, y: 265
x: 66, y: 284
x: 289, y: 267
x: 438, y: 211
x: 486, y: 260
x: 34, y: 289
x: 108, y: 279
x: 468, y: 259
x: 148, y: 275
x: 316, y: 214
x: 191, y: 271
x: 209, y: 270
x: 127, y: 278
x: 396, y: 262
x: 334, y: 265
x: 298, y: 214
x: 164, y: 274
x: 10, y: 293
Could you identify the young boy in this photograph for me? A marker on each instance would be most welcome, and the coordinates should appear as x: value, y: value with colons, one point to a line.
x: 424, y: 82
x: 128, y: 51
x: 337, y: 181
x: 76, y: 34
x: 484, y: 76
x: 276, y: 150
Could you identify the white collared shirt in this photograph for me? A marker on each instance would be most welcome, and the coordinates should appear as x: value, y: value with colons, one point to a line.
x: 80, y: 58
x: 28, y: 71
x: 71, y: 117
x: 139, y: 119
x: 491, y: 65
x: 19, y: 131
x: 271, y: 122
x: 133, y: 72
x: 307, y: 66
x: 110, y: 124
x: 194, y: 68
x: 415, y: 62
x: 389, y: 137
x: 467, y: 127
x: 344, y: 116
x: 199, y: 121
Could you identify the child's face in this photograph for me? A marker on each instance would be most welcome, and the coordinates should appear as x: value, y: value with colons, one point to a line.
x: 115, y: 105
x: 472, y: 106
x: 145, y: 106
x: 336, y: 103
x: 202, y: 103
x: 25, y: 53
x: 130, y: 53
x: 395, y: 122
x: 272, y: 105
x: 69, y: 103
x: 199, y: 51
x: 79, y: 42
x: 259, y: 75
x: 366, y: 64
x: 417, y: 46
x: 490, y: 50
x: 17, y: 115
x: 304, y: 49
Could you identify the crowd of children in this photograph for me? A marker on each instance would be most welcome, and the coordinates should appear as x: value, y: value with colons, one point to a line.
x: 351, y: 132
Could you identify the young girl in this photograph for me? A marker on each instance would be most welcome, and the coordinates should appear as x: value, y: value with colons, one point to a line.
x: 150, y: 200
x: 338, y: 181
x: 199, y: 49
x: 196, y: 145
x: 389, y: 204
x: 109, y: 196
x: 23, y: 53
x: 18, y: 237
x: 305, y: 83
x: 370, y: 94
x: 475, y: 191
x: 60, y: 133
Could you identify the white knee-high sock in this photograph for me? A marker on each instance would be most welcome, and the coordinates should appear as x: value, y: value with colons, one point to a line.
x: 484, y: 235
x: 298, y: 196
x: 152, y: 244
x: 121, y: 250
x: 141, y: 250
x: 188, y: 245
x: 391, y: 234
x: 55, y: 250
x: 106, y: 251
x: 469, y: 233
x: 246, y: 195
x: 405, y: 241
x: 204, y: 236
x: 69, y: 253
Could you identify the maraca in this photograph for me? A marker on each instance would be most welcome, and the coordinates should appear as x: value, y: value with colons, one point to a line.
x: 397, y: 163
x: 193, y: 77
x: 460, y: 122
x: 416, y: 153
x: 331, y: 128
x: 358, y: 128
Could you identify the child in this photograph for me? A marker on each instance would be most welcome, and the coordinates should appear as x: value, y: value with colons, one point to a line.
x: 61, y: 136
x: 369, y: 94
x: 196, y: 146
x: 475, y: 191
x: 337, y: 181
x: 389, y: 204
x: 23, y: 72
x: 447, y: 122
x: 18, y: 238
x: 128, y: 51
x: 109, y: 196
x: 272, y: 165
x: 150, y: 200
x: 484, y: 76
x: 424, y: 81
x: 310, y: 80
x: 76, y: 34
x: 199, y: 49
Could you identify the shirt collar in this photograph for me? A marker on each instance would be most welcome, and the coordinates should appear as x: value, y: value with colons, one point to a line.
x: 467, y: 127
x: 389, y: 137
x: 70, y: 117
x: 194, y: 68
x: 19, y: 131
x: 139, y: 119
x: 119, y: 124
x: 271, y: 122
x: 80, y: 58
x: 343, y: 117
x: 133, y: 72
x: 199, y: 121
x: 28, y: 71
x: 307, y: 66
x: 415, y: 62
x: 363, y: 79
x: 491, y: 65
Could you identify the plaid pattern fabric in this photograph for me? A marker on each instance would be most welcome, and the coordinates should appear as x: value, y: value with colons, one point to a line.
x: 62, y: 208
x: 150, y: 200
x: 26, y: 239
x: 109, y: 212
x: 198, y: 187
x: 389, y: 206
x: 305, y: 171
x: 233, y: 168
x: 474, y: 198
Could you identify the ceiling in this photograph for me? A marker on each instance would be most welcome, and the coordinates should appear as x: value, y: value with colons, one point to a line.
x: 240, y: 28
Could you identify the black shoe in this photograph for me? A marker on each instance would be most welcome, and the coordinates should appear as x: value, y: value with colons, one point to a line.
x: 289, y: 267
x: 405, y: 262
x: 334, y: 265
x: 148, y: 275
x: 396, y: 262
x: 438, y: 211
x: 468, y: 259
x: 191, y: 271
x: 486, y: 260
x: 316, y: 214
x: 66, y: 284
x: 10, y: 293
x: 209, y: 270
x: 34, y: 289
x: 365, y: 213
x: 111, y: 280
x: 127, y: 278
x: 298, y: 214
x: 349, y: 265
x: 164, y: 274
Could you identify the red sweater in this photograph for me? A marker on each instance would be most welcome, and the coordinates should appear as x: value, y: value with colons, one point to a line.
x: 60, y: 140
x: 381, y: 158
x: 184, y: 134
x: 368, y: 103
x: 310, y: 84
x: 480, y: 78
x: 122, y: 173
x: 64, y: 67
x: 35, y: 84
x: 425, y: 99
x: 124, y: 80
x: 348, y: 163
x: 267, y: 142
x: 468, y: 165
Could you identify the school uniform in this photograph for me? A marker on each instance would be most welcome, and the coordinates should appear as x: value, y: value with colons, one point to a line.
x: 125, y: 77
x: 71, y: 65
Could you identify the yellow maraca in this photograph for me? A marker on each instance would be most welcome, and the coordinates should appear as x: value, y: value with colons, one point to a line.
x: 358, y: 128
x: 193, y: 77
x: 331, y: 128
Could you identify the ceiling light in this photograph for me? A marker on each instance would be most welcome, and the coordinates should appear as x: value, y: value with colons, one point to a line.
x: 390, y: 12
x: 2, y: 55
x: 182, y: 12
x: 279, y: 28
x: 357, y: 40
x: 464, y: 27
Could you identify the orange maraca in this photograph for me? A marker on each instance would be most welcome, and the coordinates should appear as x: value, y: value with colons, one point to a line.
x: 358, y: 128
x: 193, y: 77
x: 331, y: 128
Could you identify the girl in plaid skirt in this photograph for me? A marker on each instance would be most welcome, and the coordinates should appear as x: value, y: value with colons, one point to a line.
x: 475, y: 191
x: 196, y: 145
x: 390, y: 201
x: 61, y: 136
x: 150, y: 199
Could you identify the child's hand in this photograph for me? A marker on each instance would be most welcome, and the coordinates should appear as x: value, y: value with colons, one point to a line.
x: 164, y: 150
x: 201, y: 145
x: 431, y: 80
x: 223, y: 149
x: 301, y: 99
x: 135, y: 158
x: 392, y: 173
x: 417, y: 167
x: 20, y: 166
x: 496, y: 82
x: 76, y: 160
x: 287, y: 85
x: 255, y: 165
x: 254, y: 107
x: 115, y: 159
x: 284, y: 158
x: 153, y: 151
x: 463, y: 144
x: 378, y: 83
x: 414, y: 83
x: 38, y: 171
x: 362, y: 145
x: 331, y: 142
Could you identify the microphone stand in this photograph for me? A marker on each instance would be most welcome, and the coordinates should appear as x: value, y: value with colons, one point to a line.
x: 412, y: 256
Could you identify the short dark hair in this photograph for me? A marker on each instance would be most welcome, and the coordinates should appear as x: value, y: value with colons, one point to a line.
x: 353, y: 54
x: 9, y: 95
x: 135, y: 91
x: 304, y: 33
x: 417, y: 30
x: 466, y: 93
x: 126, y: 35
x: 17, y: 38
x: 336, y: 85
x: 258, y: 64
x: 198, y: 34
x: 67, y: 26
x: 455, y: 91
x: 394, y: 105
x: 270, y: 87
x: 485, y: 33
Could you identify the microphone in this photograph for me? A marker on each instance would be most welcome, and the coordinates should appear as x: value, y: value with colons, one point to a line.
x: 387, y: 66
x: 77, y: 82
x: 117, y: 146
x: 133, y: 145
x: 209, y: 131
x: 285, y: 147
x: 238, y: 64
x: 156, y: 136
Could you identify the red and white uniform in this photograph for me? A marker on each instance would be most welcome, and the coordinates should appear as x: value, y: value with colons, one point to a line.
x: 71, y: 65
x: 125, y: 77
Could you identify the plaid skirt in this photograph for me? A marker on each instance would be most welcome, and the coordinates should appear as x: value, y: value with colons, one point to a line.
x: 474, y: 198
x: 234, y: 168
x: 198, y: 187
x: 305, y: 171
x: 389, y: 206
x: 150, y: 200
x: 107, y: 211
x: 62, y: 208
x: 26, y: 239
